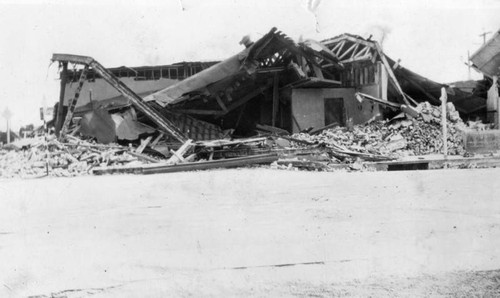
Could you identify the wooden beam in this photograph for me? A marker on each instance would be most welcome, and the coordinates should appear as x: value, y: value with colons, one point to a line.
x: 177, y: 156
x: 275, y: 98
x: 317, y: 71
x: 60, y: 109
x: 392, y: 77
x: 377, y: 100
x: 354, y: 51
x: 352, y: 39
x: 192, y: 166
x: 366, y: 57
x: 340, y: 49
x: 85, y: 60
x: 143, y: 145
x: 72, y: 103
x: 348, y: 51
x: 362, y: 52
x: 336, y: 47
x: 158, y: 138
x: 220, y: 102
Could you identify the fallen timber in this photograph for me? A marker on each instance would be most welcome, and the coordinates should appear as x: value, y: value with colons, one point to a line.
x: 193, y: 166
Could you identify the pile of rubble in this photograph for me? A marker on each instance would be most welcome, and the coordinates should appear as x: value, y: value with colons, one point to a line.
x: 398, y: 137
x: 49, y: 157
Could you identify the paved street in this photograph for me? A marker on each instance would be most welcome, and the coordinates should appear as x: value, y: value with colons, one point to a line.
x: 246, y: 232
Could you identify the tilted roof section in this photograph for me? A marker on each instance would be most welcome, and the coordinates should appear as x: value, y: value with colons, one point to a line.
x: 487, y: 58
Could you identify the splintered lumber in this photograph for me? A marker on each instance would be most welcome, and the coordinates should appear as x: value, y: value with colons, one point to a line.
x: 177, y: 156
x: 219, y: 143
x: 158, y: 138
x: 72, y: 103
x: 193, y: 166
x: 143, y: 145
x: 162, y: 122
x: 392, y: 77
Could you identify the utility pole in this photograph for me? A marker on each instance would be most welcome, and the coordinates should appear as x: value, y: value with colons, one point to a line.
x: 484, y: 36
x: 468, y: 65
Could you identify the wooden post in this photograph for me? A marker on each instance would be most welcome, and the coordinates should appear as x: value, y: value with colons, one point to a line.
x: 72, y: 103
x: 275, y: 98
x: 444, y: 98
x: 60, y: 110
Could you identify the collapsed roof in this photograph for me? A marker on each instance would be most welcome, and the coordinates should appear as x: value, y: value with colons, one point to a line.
x: 266, y: 67
x: 235, y: 76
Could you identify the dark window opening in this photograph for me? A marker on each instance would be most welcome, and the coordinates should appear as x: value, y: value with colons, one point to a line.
x: 334, y: 111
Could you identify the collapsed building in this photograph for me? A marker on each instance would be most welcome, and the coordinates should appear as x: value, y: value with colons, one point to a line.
x: 274, y: 84
x: 341, y: 103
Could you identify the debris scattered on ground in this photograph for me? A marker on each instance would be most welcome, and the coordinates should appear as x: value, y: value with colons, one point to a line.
x: 53, y: 158
x: 329, y: 149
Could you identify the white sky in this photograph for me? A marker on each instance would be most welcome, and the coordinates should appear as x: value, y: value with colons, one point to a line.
x: 430, y: 37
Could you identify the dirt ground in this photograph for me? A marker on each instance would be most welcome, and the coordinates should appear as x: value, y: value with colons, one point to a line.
x: 253, y: 232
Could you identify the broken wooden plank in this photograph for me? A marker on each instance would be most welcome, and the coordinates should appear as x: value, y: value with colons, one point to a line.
x: 392, y: 77
x: 156, y: 140
x: 219, y: 143
x: 178, y: 155
x: 143, y: 145
x: 360, y: 96
x: 193, y: 166
x: 72, y: 103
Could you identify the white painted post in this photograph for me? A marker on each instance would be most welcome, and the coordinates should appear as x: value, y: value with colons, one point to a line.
x: 7, y: 115
x: 444, y: 98
x: 8, y: 131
